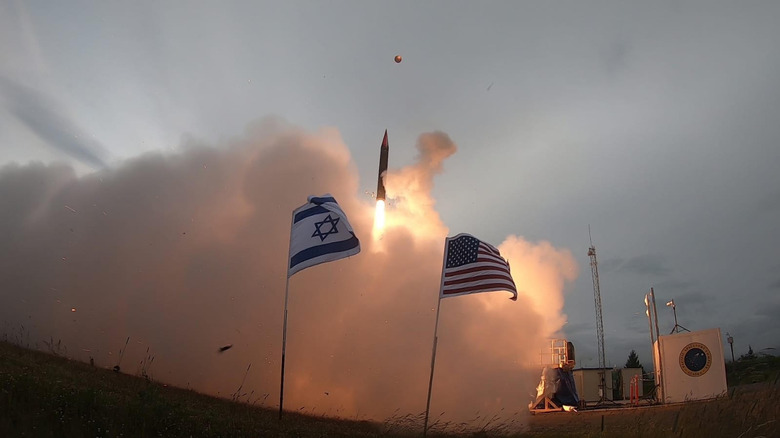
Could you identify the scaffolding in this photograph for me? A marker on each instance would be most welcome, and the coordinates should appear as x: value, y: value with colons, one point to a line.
x: 594, y: 267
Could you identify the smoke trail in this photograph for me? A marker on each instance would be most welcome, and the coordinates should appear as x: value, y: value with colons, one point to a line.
x: 40, y: 113
x: 186, y: 252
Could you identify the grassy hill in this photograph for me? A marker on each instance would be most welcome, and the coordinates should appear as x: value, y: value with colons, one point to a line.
x: 46, y: 395
x: 49, y: 396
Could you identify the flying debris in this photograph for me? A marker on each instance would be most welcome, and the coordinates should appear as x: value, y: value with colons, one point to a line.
x: 225, y: 348
x: 398, y: 59
x: 384, y: 150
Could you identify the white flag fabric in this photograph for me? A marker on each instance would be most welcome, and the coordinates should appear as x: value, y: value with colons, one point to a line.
x: 320, y: 233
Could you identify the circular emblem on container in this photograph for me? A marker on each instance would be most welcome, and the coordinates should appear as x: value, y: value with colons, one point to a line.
x: 695, y: 359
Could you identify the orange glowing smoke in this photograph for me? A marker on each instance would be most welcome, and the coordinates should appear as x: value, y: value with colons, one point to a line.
x: 360, y: 329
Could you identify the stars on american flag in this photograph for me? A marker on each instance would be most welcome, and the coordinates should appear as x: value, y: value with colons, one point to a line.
x: 462, y: 250
x: 473, y: 266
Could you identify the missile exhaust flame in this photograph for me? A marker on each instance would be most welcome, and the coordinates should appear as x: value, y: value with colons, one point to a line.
x: 379, y: 219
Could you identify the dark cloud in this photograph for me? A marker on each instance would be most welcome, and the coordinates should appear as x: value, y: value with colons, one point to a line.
x: 623, y: 346
x: 611, y: 264
x: 769, y: 310
x: 673, y: 284
x: 646, y: 264
x: 573, y: 329
x: 42, y: 115
x: 763, y: 318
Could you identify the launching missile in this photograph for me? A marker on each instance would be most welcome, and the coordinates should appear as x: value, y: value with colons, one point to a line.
x: 380, y: 183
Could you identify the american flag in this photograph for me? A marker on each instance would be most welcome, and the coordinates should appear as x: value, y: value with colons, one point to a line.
x: 472, y: 266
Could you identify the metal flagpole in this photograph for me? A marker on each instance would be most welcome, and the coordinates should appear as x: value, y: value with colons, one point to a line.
x: 433, y: 364
x: 650, y: 311
x: 284, y: 325
x: 659, y: 372
x: 284, y: 345
x: 650, y: 319
x: 435, y: 339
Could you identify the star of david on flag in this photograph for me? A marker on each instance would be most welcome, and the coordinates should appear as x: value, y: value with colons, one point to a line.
x: 320, y: 233
x: 472, y: 266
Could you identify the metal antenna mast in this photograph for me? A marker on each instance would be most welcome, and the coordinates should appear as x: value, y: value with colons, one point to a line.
x: 594, y: 267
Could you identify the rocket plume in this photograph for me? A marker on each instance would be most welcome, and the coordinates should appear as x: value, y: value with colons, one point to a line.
x: 186, y: 251
x: 379, y: 219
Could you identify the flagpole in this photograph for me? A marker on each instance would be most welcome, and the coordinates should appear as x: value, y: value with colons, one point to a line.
x: 433, y: 364
x: 435, y: 339
x: 284, y: 325
x: 284, y: 345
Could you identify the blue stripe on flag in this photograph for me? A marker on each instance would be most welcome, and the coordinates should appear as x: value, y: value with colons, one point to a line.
x: 320, y: 250
x: 322, y: 199
x: 310, y: 212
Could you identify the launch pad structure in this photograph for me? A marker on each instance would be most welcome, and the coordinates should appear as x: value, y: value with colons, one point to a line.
x: 688, y: 365
x: 556, y: 391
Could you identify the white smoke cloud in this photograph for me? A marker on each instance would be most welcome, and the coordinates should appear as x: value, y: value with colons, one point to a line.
x: 186, y: 252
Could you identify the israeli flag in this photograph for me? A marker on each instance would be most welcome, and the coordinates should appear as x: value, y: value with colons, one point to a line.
x: 320, y: 233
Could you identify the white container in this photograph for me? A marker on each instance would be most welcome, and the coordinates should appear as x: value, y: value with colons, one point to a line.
x: 692, y: 365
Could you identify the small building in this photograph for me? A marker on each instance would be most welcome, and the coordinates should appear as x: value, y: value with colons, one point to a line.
x: 626, y: 375
x: 588, y: 381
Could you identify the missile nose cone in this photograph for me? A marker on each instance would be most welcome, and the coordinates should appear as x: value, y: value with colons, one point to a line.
x: 384, y: 140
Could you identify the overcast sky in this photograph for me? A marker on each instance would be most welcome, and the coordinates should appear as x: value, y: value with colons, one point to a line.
x: 653, y: 123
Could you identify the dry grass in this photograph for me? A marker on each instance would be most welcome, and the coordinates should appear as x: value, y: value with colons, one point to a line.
x: 748, y: 411
x: 48, y: 395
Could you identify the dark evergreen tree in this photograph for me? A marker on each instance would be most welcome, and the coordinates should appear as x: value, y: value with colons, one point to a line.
x: 633, y: 360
